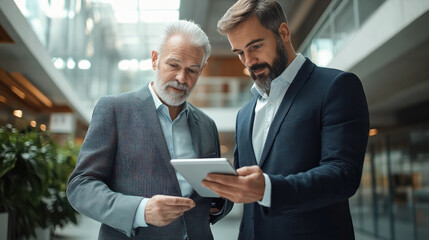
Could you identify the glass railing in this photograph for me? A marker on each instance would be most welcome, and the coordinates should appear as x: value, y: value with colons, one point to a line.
x: 336, y: 26
x: 221, y: 92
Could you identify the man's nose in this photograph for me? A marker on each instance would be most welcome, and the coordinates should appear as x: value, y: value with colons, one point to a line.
x: 250, y: 59
x: 181, y: 76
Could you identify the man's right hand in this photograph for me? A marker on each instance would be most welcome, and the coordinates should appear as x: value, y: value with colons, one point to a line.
x: 162, y: 210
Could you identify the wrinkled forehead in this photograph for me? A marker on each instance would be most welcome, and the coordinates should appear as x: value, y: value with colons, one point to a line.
x: 183, y: 50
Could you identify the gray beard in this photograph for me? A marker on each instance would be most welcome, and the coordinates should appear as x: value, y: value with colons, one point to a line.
x: 169, y: 97
x: 264, y: 84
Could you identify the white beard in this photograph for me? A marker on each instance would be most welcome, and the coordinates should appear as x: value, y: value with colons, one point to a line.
x: 171, y: 98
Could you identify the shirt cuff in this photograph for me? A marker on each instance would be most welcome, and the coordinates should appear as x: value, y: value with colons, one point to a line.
x: 221, y: 210
x: 139, y: 218
x: 266, y: 199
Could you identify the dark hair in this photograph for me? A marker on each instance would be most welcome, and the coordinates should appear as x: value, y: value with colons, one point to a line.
x: 269, y: 13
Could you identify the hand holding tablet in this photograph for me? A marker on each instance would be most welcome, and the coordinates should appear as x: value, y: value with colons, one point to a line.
x: 195, y: 170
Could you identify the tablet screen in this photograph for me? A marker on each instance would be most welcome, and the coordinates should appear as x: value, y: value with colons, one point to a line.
x: 196, y: 169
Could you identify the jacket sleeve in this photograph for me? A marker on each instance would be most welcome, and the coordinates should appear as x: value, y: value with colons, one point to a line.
x: 87, y: 188
x: 343, y: 136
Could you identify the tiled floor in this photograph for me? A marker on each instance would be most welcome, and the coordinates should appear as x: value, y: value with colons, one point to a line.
x: 226, y: 229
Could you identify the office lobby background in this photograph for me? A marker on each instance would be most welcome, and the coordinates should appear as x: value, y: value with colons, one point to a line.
x: 58, y: 57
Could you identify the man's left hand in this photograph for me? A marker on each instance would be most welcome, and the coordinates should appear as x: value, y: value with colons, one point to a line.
x: 248, y: 186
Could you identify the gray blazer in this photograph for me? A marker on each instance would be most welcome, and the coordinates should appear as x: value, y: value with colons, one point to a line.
x: 125, y: 157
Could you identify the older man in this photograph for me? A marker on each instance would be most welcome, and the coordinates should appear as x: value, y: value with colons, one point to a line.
x: 123, y: 177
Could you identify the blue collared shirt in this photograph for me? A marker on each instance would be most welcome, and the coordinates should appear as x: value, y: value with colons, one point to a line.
x: 179, y: 142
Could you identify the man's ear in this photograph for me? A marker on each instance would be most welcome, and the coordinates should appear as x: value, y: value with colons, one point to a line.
x: 284, y: 32
x: 154, y: 59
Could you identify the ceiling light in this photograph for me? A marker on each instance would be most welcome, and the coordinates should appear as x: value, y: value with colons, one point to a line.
x: 59, y: 63
x: 123, y: 65
x: 78, y: 6
x: 17, y: 113
x: 84, y: 64
x: 70, y: 63
x: 145, y: 64
x: 90, y: 49
x: 373, y: 132
x: 89, y: 26
x: 134, y: 64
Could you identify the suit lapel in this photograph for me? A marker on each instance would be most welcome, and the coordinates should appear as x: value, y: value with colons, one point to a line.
x: 248, y: 119
x: 194, y: 127
x: 148, y: 113
x: 300, y: 79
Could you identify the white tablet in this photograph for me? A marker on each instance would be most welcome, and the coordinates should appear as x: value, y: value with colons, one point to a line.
x: 196, y: 169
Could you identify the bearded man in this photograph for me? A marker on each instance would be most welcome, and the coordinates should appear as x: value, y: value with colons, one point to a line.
x: 123, y: 176
x: 300, y: 142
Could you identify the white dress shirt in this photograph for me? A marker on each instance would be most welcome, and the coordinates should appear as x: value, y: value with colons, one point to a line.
x: 179, y: 142
x: 265, y: 111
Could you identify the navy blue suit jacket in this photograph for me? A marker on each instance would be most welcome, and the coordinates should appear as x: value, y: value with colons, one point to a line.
x: 313, y: 155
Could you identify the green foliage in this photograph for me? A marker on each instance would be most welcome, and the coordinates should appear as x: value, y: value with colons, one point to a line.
x: 33, y: 180
x: 60, y: 210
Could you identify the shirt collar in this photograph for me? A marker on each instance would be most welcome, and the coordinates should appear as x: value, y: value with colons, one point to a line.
x: 285, y: 78
x: 161, y: 106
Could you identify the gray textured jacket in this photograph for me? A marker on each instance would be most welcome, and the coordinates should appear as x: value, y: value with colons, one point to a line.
x: 125, y: 157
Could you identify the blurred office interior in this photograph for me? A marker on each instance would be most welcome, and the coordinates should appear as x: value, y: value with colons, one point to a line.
x: 58, y: 57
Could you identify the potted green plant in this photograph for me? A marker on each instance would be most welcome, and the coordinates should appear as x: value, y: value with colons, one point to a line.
x: 33, y: 181
x: 7, y: 162
x: 59, y: 208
